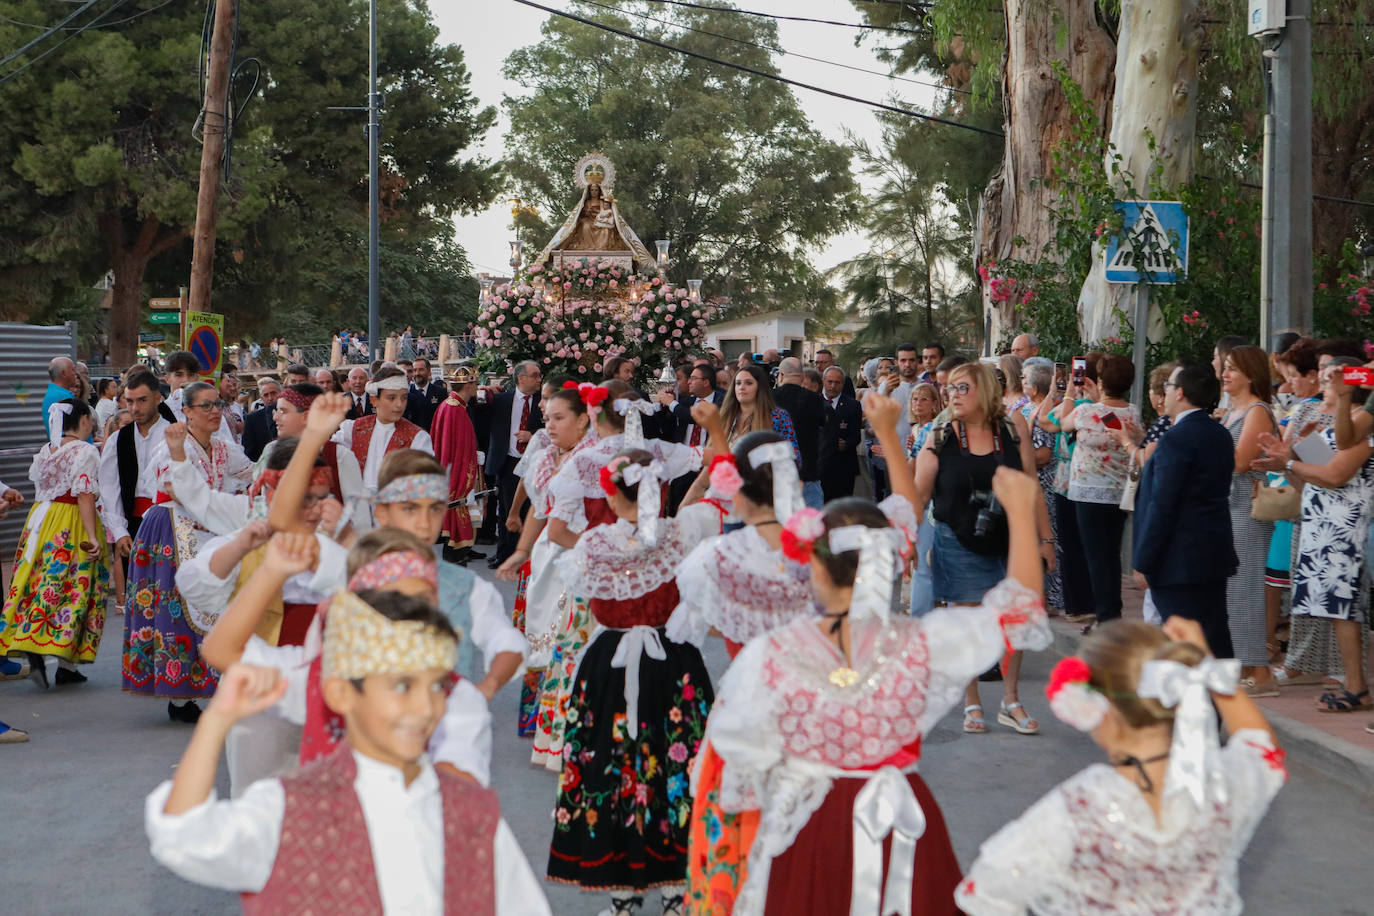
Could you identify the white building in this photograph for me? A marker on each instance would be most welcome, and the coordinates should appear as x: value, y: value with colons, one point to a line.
x: 783, y: 330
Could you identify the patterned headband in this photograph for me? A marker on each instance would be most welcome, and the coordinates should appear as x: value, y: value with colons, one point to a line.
x: 389, y: 567
x: 297, y: 400
x: 413, y: 486
x: 268, y: 480
x: 358, y: 641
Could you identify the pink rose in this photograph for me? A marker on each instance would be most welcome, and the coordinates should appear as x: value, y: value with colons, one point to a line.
x: 496, y: 334
x: 680, y: 323
x: 567, y: 285
x: 613, y: 284
x: 576, y: 324
x: 543, y: 338
x: 500, y: 319
x: 677, y: 332
x: 529, y: 330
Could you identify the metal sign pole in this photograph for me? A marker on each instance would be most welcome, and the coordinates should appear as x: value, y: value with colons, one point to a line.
x: 1142, y: 326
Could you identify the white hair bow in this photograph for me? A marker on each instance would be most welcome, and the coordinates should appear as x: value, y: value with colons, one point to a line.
x: 1186, y: 688
x: 55, y: 414
x: 393, y: 383
x: 878, y: 555
x: 632, y: 410
x: 787, y: 493
x: 647, y: 478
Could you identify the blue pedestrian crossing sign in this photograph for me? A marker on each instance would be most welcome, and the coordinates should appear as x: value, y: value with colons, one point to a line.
x: 1153, y: 244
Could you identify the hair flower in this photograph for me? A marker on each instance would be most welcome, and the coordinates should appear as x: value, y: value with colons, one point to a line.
x: 570, y: 385
x: 608, y: 481
x: 800, y: 534
x: 1072, y: 698
x: 725, y: 479
x: 592, y: 396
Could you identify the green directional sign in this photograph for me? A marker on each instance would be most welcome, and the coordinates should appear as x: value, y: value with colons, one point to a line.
x: 150, y: 337
x: 165, y: 317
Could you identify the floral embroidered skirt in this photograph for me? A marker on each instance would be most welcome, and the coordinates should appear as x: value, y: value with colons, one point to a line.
x: 718, y: 843
x: 533, y: 677
x: 161, y: 650
x: 624, y: 804
x: 573, y: 632
x: 56, y: 601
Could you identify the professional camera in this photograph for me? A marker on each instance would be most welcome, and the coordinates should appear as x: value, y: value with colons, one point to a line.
x: 992, y: 518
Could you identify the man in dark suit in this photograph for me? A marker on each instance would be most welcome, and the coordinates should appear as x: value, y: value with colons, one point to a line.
x: 807, y: 409
x: 357, y: 393
x: 425, y: 396
x: 479, y: 412
x: 700, y: 385
x: 824, y: 360
x: 259, y: 427
x: 844, y: 423
x: 1182, y: 533
x: 515, y: 417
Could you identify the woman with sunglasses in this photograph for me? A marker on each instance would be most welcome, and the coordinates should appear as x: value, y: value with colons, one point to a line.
x: 954, y: 478
x: 161, y: 639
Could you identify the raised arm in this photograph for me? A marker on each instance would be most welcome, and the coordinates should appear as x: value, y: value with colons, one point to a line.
x: 882, y: 413
x: 326, y: 413
x: 288, y: 553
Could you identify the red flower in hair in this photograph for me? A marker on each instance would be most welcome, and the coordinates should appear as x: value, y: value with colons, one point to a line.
x: 796, y: 549
x: 594, y: 396
x: 607, y: 481
x: 570, y: 384
x: 1071, y: 670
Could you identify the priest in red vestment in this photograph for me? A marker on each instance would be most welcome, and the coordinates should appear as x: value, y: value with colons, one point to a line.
x: 455, y: 445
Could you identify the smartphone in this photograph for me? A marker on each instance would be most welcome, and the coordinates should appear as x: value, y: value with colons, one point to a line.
x: 1061, y: 376
x: 1111, y: 421
x: 1080, y: 371
x: 1359, y: 376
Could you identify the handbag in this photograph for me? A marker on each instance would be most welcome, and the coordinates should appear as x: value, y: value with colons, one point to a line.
x: 1276, y: 504
x: 1132, y: 483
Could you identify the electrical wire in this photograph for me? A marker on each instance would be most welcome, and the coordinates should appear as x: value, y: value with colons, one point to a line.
x: 882, y: 106
x: 33, y: 60
x: 846, y: 25
x: 762, y: 47
x: 50, y: 32
x: 139, y: 15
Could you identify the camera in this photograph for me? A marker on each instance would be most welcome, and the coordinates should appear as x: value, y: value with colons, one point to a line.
x: 992, y: 518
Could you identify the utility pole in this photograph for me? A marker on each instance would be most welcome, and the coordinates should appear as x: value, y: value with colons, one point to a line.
x: 374, y: 130
x: 1287, y: 280
x: 214, y: 128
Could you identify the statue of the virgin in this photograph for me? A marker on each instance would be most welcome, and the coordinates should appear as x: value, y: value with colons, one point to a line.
x: 595, y: 224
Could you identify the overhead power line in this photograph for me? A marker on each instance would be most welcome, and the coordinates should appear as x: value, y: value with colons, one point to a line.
x: 883, y: 106
x: 50, y: 32
x: 763, y: 47
x: 139, y: 15
x: 846, y: 25
x: 112, y: 8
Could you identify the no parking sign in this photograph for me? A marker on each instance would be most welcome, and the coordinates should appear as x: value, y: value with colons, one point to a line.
x: 204, y: 340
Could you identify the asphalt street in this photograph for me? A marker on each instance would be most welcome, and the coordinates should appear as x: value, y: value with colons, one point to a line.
x: 73, y: 800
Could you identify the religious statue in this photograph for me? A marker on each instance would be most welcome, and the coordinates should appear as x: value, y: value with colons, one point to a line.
x: 595, y: 224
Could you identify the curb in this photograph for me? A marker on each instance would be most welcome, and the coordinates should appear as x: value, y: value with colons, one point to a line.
x: 1349, y: 764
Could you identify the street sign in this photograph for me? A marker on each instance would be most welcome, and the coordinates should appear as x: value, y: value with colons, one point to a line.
x: 165, y: 317
x: 145, y: 337
x: 165, y: 303
x: 1153, y: 246
x: 204, y: 332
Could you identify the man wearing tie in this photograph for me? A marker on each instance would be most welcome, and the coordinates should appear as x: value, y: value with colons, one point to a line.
x: 700, y: 385
x: 357, y: 393
x: 515, y: 417
x: 839, y: 463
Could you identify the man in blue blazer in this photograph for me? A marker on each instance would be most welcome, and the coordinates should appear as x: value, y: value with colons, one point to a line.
x: 1182, y: 533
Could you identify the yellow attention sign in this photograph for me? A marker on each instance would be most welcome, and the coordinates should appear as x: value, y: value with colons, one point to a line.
x: 205, y: 340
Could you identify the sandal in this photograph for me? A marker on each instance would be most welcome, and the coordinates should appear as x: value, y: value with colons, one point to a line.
x: 1024, y: 725
x: 623, y: 906
x: 1345, y: 701
x: 974, y: 725
x: 1258, y: 689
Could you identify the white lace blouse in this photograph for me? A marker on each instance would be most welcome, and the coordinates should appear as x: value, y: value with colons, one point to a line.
x: 1093, y: 846
x: 580, y: 476
x: 70, y: 468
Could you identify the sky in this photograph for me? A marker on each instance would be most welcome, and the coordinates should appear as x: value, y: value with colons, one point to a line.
x: 489, y: 30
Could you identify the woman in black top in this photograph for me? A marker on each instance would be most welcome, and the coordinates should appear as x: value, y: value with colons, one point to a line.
x: 954, y: 474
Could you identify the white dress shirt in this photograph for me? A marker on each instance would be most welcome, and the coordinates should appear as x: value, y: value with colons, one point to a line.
x: 517, y: 407
x: 233, y: 844
x: 111, y: 506
x: 376, y: 452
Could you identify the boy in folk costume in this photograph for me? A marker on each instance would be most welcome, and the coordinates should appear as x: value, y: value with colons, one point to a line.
x: 372, y: 828
x: 373, y: 437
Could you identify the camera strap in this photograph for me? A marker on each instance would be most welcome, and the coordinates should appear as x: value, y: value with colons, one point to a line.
x: 961, y: 431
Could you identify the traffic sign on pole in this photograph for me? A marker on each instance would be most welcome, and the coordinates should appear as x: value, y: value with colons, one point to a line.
x: 1153, y: 246
x: 165, y: 317
x: 204, y: 333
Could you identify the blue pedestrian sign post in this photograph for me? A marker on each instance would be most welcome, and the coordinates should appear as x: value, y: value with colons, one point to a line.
x: 1152, y: 246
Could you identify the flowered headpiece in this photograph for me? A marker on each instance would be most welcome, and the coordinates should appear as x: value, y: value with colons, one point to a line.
x: 393, y: 566
x: 649, y: 499
x: 358, y: 641
x: 800, y: 534
x: 414, y: 486
x: 725, y: 479
x: 1072, y: 698
x: 593, y: 395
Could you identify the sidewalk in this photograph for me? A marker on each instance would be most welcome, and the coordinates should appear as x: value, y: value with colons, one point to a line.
x: 1334, y: 743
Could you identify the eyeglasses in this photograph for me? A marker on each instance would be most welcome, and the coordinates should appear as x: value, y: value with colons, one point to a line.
x: 961, y: 388
x: 207, y: 405
x: 1168, y: 385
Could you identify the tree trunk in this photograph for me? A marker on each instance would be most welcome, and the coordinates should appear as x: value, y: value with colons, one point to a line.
x: 130, y: 262
x: 1015, y: 206
x: 1158, y: 49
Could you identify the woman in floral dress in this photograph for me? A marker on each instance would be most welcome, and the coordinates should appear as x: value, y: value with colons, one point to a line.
x: 639, y: 703
x: 161, y: 646
x: 56, y: 601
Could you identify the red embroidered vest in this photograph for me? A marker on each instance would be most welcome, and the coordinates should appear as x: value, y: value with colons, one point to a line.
x: 324, y: 859
x: 401, y: 436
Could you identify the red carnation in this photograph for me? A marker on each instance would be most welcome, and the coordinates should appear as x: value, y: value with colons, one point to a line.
x: 794, y: 548
x: 607, y: 482
x: 570, y: 385
x: 594, y: 397
x: 1069, y: 671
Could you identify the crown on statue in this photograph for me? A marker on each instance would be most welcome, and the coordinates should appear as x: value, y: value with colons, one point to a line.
x: 595, y: 169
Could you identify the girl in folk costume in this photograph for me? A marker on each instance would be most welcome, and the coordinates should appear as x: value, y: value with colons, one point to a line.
x: 578, y: 504
x: 810, y: 770
x: 56, y: 601
x: 741, y: 585
x: 400, y: 836
x: 639, y: 703
x: 161, y: 642
x: 568, y: 426
x: 1161, y: 827
x: 373, y: 437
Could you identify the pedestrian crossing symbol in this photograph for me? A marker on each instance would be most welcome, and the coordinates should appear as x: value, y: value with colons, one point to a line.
x: 1153, y: 244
